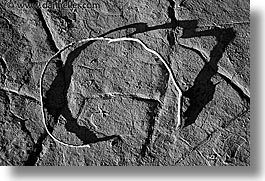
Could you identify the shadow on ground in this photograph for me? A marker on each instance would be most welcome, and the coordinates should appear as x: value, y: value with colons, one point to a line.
x: 199, y: 94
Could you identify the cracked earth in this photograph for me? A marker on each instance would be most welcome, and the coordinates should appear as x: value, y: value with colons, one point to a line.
x: 117, y: 98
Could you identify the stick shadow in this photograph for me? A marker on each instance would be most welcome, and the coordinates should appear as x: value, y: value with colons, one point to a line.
x: 199, y: 94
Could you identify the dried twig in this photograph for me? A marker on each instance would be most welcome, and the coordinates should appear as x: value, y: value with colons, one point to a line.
x: 110, y: 40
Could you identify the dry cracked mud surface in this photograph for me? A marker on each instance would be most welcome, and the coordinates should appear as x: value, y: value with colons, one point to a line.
x: 117, y: 97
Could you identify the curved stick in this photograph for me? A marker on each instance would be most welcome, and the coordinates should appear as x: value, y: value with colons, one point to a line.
x: 110, y: 40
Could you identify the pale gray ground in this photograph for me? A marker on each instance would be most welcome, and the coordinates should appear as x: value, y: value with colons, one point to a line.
x: 206, y: 44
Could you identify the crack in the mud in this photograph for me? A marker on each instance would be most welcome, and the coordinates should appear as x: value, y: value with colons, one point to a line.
x: 229, y: 81
x: 37, y: 146
x: 210, y: 135
x: 45, y: 25
x: 182, y: 3
x: 17, y: 93
x: 3, y: 64
x: 243, y: 113
x: 200, y: 53
x: 23, y: 127
x: 111, y: 95
x: 153, y: 113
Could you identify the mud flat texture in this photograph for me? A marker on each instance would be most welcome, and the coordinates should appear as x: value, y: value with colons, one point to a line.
x: 117, y: 97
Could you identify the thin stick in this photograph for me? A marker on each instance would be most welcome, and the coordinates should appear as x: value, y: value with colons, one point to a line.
x: 110, y: 40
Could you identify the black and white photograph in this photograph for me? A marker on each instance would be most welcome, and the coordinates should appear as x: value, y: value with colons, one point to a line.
x: 126, y: 83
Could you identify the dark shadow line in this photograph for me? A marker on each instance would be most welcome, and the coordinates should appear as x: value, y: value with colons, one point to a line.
x: 189, y: 28
x: 202, y: 91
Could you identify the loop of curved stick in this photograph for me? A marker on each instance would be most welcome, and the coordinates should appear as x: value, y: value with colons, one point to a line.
x: 110, y: 40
